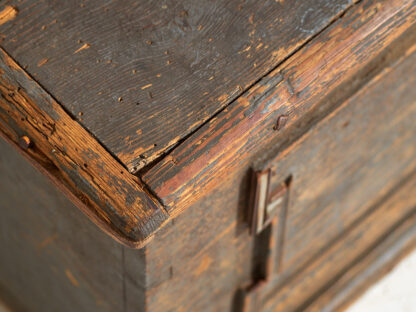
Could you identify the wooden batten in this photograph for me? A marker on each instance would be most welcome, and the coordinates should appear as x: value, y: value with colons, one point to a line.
x: 56, y: 143
x: 221, y: 155
x: 321, y: 70
x: 144, y: 83
x: 337, y: 61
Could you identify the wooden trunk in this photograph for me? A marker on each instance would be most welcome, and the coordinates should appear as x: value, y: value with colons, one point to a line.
x: 197, y: 156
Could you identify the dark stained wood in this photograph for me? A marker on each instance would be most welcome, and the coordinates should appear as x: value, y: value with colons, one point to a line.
x: 327, y: 70
x: 183, y: 176
x: 52, y: 257
x: 143, y: 78
x: 214, y: 256
x: 30, y: 116
x: 332, y: 124
x: 223, y: 263
x: 368, y: 270
x: 333, y: 190
x: 391, y: 213
x: 224, y: 260
x: 366, y: 143
x: 226, y: 243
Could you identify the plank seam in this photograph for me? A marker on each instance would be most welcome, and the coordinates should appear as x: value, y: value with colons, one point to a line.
x: 169, y: 150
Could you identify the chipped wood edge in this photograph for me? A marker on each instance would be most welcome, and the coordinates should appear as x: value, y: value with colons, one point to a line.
x: 139, y: 158
x: 105, y: 227
x: 7, y: 14
x: 118, y: 202
x: 294, y: 89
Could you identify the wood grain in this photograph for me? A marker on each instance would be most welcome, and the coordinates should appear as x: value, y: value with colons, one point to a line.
x: 53, y: 258
x: 308, y: 282
x: 360, y: 151
x: 7, y: 14
x: 214, y: 224
x: 368, y: 142
x: 142, y: 79
x: 208, y: 247
x: 303, y: 88
x: 336, y: 116
x: 368, y: 270
x: 68, y: 152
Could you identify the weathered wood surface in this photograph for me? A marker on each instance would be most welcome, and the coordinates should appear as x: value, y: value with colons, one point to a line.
x: 121, y: 201
x: 52, y: 257
x: 389, y: 214
x: 214, y: 225
x: 143, y: 75
x: 199, y: 260
x: 224, y: 263
x: 101, y: 186
x: 368, y: 269
x: 365, y: 144
x: 360, y: 151
x: 323, y: 73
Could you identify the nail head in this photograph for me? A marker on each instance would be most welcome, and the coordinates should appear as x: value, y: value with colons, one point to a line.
x: 25, y: 142
x: 281, y: 122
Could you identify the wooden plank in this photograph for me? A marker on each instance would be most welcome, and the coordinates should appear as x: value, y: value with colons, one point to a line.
x: 361, y: 148
x: 390, y: 212
x: 224, y: 257
x: 328, y: 69
x: 215, y: 222
x: 208, y: 247
x: 100, y: 186
x: 135, y: 262
x: 52, y: 257
x: 367, y: 270
x: 143, y: 78
x: 214, y: 225
x: 360, y: 151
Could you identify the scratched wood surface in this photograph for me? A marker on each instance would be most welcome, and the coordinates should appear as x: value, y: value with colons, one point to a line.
x: 360, y: 149
x: 225, y: 261
x: 52, y: 257
x: 370, y: 268
x: 365, y: 167
x: 224, y: 264
x: 183, y: 176
x: 215, y: 254
x: 100, y: 185
x: 202, y: 259
x: 327, y: 70
x: 143, y: 75
x: 333, y: 264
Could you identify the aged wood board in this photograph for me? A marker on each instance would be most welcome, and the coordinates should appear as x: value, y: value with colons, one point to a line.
x: 192, y: 97
x: 363, y: 176
x: 366, y: 245
x: 335, y: 60
x: 367, y: 143
x: 142, y: 75
x: 319, y: 77
x: 52, y: 258
x: 59, y: 145
x: 226, y: 252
